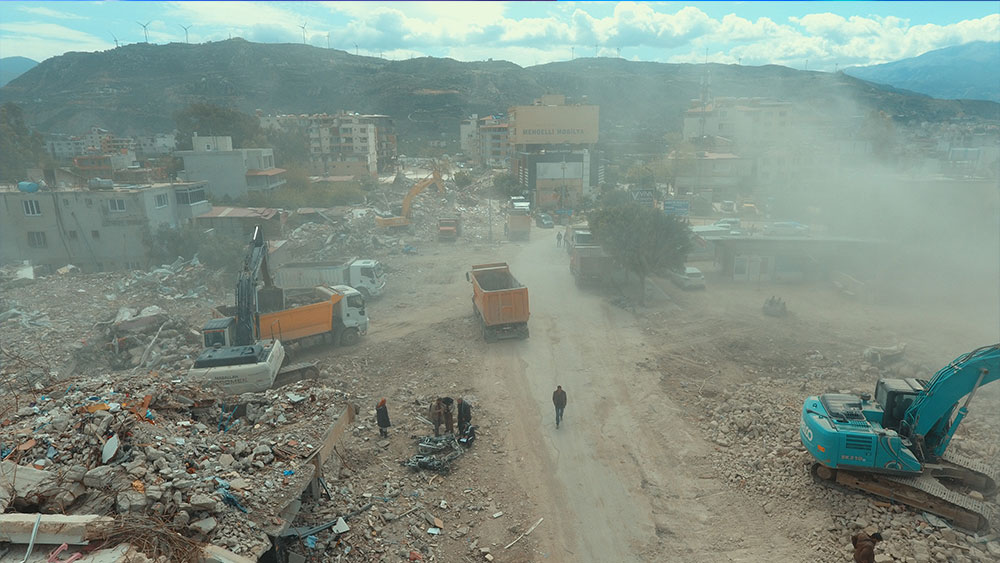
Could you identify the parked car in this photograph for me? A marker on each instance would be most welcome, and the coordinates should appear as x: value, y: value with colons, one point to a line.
x: 786, y: 228
x: 544, y: 220
x: 690, y: 278
x: 731, y: 223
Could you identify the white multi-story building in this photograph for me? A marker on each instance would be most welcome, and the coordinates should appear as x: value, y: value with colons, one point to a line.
x: 229, y: 173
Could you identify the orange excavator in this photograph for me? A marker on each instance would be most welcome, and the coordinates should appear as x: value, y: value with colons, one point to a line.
x: 403, y: 220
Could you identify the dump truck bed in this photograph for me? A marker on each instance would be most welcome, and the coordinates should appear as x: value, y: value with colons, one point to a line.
x: 305, y: 316
x: 500, y: 301
x: 589, y: 264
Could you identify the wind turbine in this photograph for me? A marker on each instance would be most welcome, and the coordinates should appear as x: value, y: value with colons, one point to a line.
x: 186, y: 27
x: 116, y: 40
x: 303, y: 26
x: 327, y: 39
x: 145, y: 29
x: 355, y: 49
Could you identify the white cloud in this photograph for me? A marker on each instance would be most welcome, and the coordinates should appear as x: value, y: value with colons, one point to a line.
x: 41, y: 40
x: 50, y: 13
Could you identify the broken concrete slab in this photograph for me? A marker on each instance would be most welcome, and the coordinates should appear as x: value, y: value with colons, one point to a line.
x: 23, y: 482
x: 53, y: 529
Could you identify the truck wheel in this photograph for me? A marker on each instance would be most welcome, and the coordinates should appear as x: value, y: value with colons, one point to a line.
x: 350, y: 337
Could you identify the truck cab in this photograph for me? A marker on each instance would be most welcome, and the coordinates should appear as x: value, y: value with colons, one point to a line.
x: 369, y: 275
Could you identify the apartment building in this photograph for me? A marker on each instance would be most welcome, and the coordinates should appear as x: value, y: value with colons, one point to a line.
x: 229, y: 173
x: 96, y: 229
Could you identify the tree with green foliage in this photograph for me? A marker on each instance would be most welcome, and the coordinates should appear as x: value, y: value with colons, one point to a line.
x: 167, y: 243
x: 209, y: 119
x: 20, y: 148
x: 642, y: 239
x: 462, y: 179
x: 506, y: 185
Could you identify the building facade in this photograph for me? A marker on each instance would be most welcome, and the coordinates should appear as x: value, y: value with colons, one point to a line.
x: 94, y: 229
x: 229, y: 173
x: 553, y: 151
x: 345, y: 143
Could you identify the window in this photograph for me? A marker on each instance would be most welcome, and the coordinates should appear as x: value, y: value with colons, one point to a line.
x: 161, y: 200
x: 72, y: 235
x: 95, y: 234
x: 89, y: 202
x: 31, y: 207
x: 36, y: 239
x: 190, y: 196
x: 116, y: 205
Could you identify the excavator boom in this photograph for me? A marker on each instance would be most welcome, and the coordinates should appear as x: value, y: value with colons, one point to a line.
x: 404, y: 217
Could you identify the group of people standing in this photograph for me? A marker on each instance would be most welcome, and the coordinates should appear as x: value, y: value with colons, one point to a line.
x: 443, y: 409
x: 441, y: 413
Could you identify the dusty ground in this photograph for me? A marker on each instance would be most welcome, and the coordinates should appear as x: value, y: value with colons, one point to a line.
x: 680, y: 439
x: 633, y: 474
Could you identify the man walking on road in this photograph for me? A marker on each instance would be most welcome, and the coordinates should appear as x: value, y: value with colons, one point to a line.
x: 559, y: 400
x: 558, y: 240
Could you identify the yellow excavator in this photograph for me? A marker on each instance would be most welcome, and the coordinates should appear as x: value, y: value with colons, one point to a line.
x: 403, y: 220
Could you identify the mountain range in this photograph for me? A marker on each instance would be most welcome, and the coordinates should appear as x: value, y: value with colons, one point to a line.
x: 137, y: 88
x: 12, y: 67
x: 963, y: 72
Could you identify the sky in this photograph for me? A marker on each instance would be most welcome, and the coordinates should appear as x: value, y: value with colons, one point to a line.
x: 820, y: 36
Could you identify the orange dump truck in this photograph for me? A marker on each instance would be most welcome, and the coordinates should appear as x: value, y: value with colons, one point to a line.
x: 335, y: 313
x: 499, y: 301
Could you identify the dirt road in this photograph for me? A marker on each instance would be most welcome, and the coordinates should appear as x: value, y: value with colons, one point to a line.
x: 626, y: 477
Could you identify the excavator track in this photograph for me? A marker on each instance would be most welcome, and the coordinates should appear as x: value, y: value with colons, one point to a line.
x: 922, y: 492
x: 981, y: 476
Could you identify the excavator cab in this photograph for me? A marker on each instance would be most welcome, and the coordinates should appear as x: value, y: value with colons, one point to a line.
x: 218, y: 332
x: 895, y: 396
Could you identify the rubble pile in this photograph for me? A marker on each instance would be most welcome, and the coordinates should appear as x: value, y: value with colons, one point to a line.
x: 216, y: 472
x: 755, y: 428
x: 109, y: 324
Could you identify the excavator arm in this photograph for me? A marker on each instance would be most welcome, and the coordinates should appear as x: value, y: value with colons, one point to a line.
x: 929, y: 421
x: 247, y: 302
x: 434, y: 178
x: 404, y: 217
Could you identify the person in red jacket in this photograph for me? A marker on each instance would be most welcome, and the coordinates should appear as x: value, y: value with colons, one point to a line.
x: 382, y: 419
x: 559, y: 400
x: 864, y: 546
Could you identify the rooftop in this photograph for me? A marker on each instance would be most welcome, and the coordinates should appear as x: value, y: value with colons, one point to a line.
x: 115, y: 188
x: 268, y: 172
x: 256, y: 212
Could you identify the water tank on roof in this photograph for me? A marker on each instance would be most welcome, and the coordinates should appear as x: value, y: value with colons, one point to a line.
x: 27, y: 187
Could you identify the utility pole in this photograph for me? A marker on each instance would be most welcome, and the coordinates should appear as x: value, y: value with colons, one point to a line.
x: 489, y: 202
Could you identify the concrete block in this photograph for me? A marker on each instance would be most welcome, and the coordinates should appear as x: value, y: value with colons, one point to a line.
x: 54, y: 529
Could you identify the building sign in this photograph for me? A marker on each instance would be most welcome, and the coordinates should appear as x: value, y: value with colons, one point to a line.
x: 676, y: 207
x: 643, y: 197
x: 551, y: 125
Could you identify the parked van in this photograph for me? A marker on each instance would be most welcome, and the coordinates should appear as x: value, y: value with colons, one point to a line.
x: 690, y: 278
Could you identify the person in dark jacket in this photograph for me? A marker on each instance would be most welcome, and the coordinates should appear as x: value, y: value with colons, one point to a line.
x: 436, y: 415
x: 382, y: 418
x: 464, y: 416
x: 864, y: 546
x: 559, y: 400
x: 449, y: 412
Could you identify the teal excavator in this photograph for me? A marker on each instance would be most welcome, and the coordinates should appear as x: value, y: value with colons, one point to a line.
x: 895, y: 444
